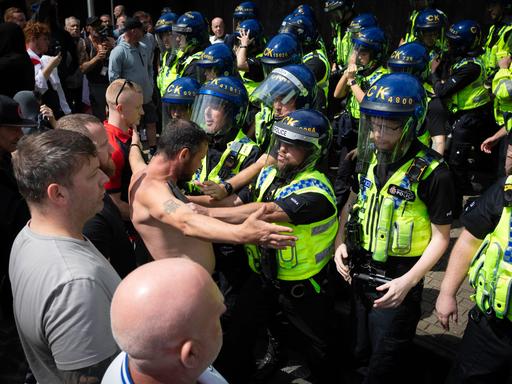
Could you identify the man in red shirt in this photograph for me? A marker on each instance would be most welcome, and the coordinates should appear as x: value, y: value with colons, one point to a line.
x: 124, y: 100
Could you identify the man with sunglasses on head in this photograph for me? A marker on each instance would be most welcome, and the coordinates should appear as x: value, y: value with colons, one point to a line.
x: 398, y: 227
x: 131, y: 59
x: 124, y: 101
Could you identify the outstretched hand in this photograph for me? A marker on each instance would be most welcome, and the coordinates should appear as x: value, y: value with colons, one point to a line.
x: 257, y: 231
x: 212, y: 189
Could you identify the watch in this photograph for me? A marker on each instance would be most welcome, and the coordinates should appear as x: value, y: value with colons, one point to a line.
x: 352, y: 82
x: 228, y: 187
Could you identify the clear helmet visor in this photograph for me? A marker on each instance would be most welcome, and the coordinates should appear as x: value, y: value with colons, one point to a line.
x: 213, y: 114
x: 279, y: 92
x: 175, y: 111
x: 383, y: 139
x: 166, y: 41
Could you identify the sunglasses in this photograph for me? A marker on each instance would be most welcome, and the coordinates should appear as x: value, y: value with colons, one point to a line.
x: 130, y: 84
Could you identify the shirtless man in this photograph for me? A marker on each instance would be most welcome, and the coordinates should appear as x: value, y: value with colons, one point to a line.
x: 167, y: 225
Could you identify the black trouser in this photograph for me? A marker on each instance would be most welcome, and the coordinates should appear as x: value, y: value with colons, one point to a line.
x: 485, y: 353
x: 383, y: 337
x: 296, y: 315
x: 472, y: 169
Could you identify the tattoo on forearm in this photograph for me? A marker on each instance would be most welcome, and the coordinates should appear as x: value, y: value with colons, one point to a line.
x: 170, y: 206
x: 88, y: 375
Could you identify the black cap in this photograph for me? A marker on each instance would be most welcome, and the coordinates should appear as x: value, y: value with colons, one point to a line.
x: 10, y: 114
x: 132, y: 23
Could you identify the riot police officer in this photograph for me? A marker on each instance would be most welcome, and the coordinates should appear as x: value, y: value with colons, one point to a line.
x: 313, y: 51
x: 191, y: 30
x: 249, y: 46
x: 414, y: 58
x: 220, y: 109
x: 289, y: 291
x: 483, y: 248
x: 497, y: 45
x: 365, y: 67
x: 178, y: 99
x: 340, y: 12
x: 215, y: 61
x: 469, y: 104
x: 167, y: 46
x: 398, y: 228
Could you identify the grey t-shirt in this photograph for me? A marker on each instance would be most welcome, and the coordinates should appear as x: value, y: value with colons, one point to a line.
x: 62, y: 289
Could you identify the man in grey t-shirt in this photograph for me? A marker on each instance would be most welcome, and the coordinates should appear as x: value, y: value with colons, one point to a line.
x: 62, y: 285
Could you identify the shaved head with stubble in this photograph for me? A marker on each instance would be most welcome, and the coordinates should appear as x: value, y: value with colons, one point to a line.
x: 166, y: 316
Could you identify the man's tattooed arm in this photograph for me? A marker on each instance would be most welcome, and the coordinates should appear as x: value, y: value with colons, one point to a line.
x: 88, y: 375
x: 170, y: 206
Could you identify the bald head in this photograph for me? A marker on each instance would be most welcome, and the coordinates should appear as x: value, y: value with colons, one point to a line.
x: 218, y: 27
x: 166, y: 317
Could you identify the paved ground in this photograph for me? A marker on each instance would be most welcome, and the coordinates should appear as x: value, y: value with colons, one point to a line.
x: 430, y: 333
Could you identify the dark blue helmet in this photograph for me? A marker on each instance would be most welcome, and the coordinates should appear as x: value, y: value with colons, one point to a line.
x: 253, y: 26
x: 219, y: 58
x: 412, y: 58
x: 342, y: 5
x: 362, y: 21
x: 392, y: 112
x: 244, y: 11
x: 193, y: 25
x: 371, y: 39
x: 464, y: 37
x: 224, y: 94
x: 302, y: 27
x: 430, y: 20
x: 306, y: 128
x: 306, y: 11
x: 165, y: 22
x: 183, y: 90
x: 281, y: 50
x: 178, y: 99
x: 291, y: 82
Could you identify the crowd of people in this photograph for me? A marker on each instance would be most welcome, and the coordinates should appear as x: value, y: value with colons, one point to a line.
x: 176, y: 197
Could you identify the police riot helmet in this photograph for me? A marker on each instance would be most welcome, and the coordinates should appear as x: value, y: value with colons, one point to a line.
x: 305, y: 128
x: 244, y: 11
x: 411, y: 58
x: 362, y: 21
x: 165, y: 22
x: 430, y: 21
x: 178, y: 98
x: 216, y: 60
x: 163, y: 31
x: 194, y: 27
x: 302, y: 27
x: 306, y: 10
x: 253, y: 26
x: 281, y: 50
x: 220, y: 106
x: 338, y: 11
x: 294, y: 82
x: 464, y: 37
x: 391, y: 112
x: 373, y: 40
